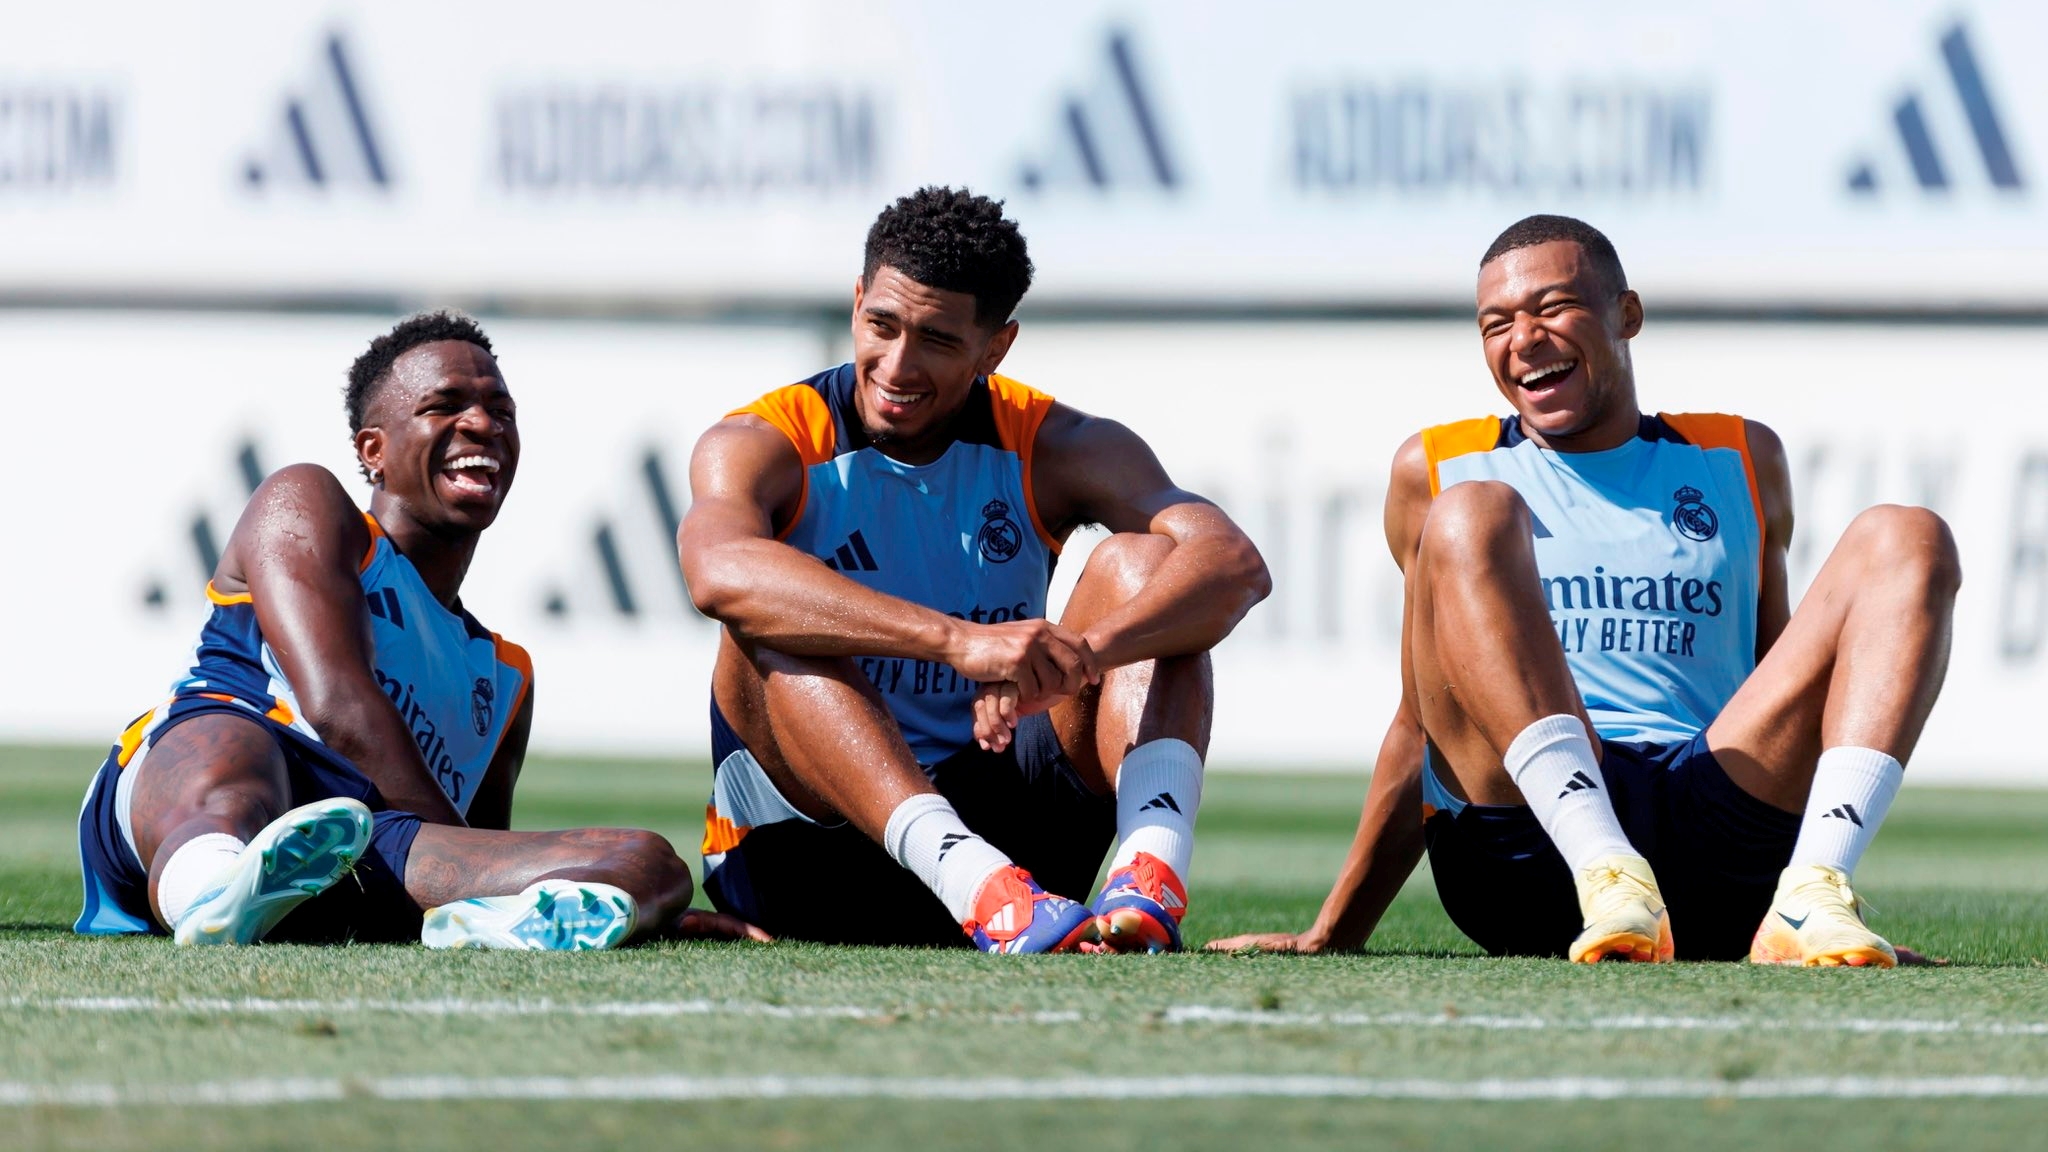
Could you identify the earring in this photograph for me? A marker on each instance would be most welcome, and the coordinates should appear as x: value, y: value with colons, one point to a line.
x: 376, y: 476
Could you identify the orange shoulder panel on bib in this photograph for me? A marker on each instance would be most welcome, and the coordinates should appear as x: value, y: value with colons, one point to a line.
x: 800, y: 414
x: 513, y: 656
x: 1019, y: 410
x: 376, y: 534
x: 1447, y: 441
x: 803, y: 416
x: 1717, y: 430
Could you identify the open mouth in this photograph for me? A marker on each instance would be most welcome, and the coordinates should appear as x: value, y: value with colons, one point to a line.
x: 1540, y: 382
x: 472, y: 474
x: 898, y: 403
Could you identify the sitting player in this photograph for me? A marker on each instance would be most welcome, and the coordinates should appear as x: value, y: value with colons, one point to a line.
x: 1584, y: 569
x: 904, y: 746
x: 343, y: 751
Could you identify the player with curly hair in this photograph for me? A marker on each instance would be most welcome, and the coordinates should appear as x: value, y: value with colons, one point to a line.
x: 904, y: 746
x: 342, y: 752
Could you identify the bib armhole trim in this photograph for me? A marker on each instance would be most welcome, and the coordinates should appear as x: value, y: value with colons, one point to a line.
x: 1463, y: 438
x: 1019, y: 410
x: 801, y: 414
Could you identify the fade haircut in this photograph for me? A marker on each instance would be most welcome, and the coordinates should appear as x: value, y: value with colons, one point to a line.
x: 955, y: 241
x: 374, y: 365
x: 1533, y: 230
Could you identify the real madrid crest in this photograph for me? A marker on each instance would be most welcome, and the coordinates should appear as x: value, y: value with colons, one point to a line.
x: 480, y: 697
x: 1693, y: 519
x: 999, y: 539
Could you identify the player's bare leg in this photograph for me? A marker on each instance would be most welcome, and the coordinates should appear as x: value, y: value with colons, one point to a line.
x: 571, y: 890
x: 226, y: 861
x: 1488, y: 678
x: 827, y: 742
x: 1830, y: 716
x: 1141, y: 734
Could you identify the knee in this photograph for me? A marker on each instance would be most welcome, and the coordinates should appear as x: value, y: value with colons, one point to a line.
x: 1123, y: 563
x: 1909, y: 544
x: 1471, y: 520
x: 655, y: 874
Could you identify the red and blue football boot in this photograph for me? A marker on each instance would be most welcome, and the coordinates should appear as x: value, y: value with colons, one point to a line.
x: 1140, y: 907
x: 1013, y: 914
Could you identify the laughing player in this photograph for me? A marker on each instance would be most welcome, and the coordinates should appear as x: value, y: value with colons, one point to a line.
x: 343, y: 750
x: 904, y: 746
x: 1616, y: 732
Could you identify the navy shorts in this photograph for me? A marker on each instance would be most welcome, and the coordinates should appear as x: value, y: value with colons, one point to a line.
x: 801, y: 880
x: 1716, y: 849
x: 370, y: 903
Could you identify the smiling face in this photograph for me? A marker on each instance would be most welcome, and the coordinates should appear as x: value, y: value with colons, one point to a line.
x: 1556, y: 334
x: 441, y: 434
x: 917, y: 350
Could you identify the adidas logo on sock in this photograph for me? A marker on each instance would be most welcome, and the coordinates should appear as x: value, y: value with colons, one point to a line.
x: 950, y: 841
x: 1578, y: 783
x: 852, y: 556
x: 1163, y: 800
x: 1845, y: 812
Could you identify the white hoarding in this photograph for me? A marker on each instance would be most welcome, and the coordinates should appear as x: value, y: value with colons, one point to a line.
x: 1745, y: 154
x: 134, y: 434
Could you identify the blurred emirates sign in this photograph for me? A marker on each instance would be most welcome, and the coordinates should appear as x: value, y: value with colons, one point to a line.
x: 1745, y: 155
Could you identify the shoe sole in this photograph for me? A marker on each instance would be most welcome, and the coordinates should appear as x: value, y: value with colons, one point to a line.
x: 1634, y: 947
x: 1132, y: 930
x: 549, y: 916
x: 293, y: 859
x: 1855, y: 956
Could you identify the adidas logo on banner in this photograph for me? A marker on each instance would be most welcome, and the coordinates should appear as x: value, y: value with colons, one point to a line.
x: 1578, y: 783
x: 853, y: 556
x: 1844, y: 812
x: 325, y: 138
x: 1109, y: 135
x: 1163, y: 800
x: 1915, y: 124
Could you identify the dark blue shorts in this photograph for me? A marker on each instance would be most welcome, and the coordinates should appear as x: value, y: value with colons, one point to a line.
x: 830, y: 883
x: 1716, y: 849
x: 369, y: 903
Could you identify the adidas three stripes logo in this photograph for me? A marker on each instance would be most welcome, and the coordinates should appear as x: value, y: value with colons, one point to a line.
x: 1843, y: 812
x: 1578, y: 783
x: 852, y: 556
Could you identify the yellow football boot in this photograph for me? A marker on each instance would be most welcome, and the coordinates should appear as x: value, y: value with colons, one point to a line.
x: 1816, y: 920
x: 1623, y: 913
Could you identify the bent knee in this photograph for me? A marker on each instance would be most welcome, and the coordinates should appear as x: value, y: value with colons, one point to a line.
x: 655, y: 871
x: 1124, y: 562
x: 1910, y: 542
x: 1475, y: 515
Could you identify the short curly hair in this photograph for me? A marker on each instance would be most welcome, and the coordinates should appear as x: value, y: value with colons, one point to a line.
x: 955, y: 241
x: 374, y: 365
x: 1530, y: 231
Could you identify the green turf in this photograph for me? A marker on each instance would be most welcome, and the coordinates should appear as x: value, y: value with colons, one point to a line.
x: 1959, y: 874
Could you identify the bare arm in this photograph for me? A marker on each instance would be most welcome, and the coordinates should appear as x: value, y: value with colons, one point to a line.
x: 1090, y: 470
x: 1774, y: 487
x: 745, y: 480
x: 1389, y: 842
x: 491, y: 806
x: 297, y: 549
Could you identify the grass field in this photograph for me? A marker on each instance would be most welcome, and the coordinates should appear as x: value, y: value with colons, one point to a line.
x: 1416, y: 1043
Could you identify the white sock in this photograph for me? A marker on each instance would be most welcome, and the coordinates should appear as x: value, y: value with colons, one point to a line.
x: 1853, y: 788
x: 1158, y: 790
x: 926, y: 836
x: 1552, y: 763
x: 197, y: 865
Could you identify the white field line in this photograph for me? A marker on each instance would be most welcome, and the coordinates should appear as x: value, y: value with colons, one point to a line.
x: 301, y: 1090
x: 1179, y: 1014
